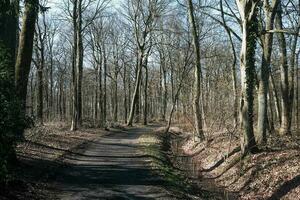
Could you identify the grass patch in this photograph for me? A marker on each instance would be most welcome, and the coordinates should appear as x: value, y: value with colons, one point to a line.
x: 155, y: 145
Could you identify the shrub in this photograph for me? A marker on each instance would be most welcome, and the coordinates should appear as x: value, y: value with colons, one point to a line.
x: 11, y: 125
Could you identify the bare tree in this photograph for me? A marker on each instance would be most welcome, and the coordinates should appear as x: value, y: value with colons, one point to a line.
x: 143, y: 16
x: 197, y: 87
x: 284, y: 74
x: 40, y: 50
x: 267, y: 40
x: 233, y: 67
x: 248, y: 12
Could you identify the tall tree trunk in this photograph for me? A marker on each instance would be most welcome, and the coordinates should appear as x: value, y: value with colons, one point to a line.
x: 115, y: 96
x: 297, y: 92
x: 145, y: 65
x: 104, y: 87
x: 51, y: 82
x: 41, y: 36
x: 125, y: 92
x: 65, y: 95
x: 267, y: 40
x: 284, y: 80
x: 74, y: 111
x: 129, y: 95
x: 160, y: 90
x: 138, y: 103
x: 165, y: 92
x: 235, y: 92
x: 136, y: 88
x: 8, y: 34
x: 46, y: 92
x: 79, y: 61
x: 24, y: 57
x: 277, y: 101
x: 95, y: 113
x: 40, y: 100
x: 100, y: 94
x: 145, y: 122
x: 197, y: 87
x: 32, y: 96
x: 174, y: 100
x: 293, y: 78
x: 247, y: 10
x: 271, y: 118
x: 60, y: 99
x: 8, y: 37
x: 233, y: 69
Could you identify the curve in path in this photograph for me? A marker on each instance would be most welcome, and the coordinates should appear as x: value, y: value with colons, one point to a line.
x: 111, y: 167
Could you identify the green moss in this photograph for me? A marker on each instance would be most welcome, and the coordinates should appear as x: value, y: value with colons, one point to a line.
x: 156, y: 146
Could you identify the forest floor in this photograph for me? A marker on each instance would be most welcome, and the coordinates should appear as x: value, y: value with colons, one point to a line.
x: 271, y: 174
x: 40, y: 155
x: 140, y: 163
x: 55, y: 163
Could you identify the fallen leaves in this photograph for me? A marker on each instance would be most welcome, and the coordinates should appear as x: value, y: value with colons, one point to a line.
x: 43, y: 149
x: 257, y: 176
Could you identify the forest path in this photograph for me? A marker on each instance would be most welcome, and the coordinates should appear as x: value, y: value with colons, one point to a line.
x: 111, y: 167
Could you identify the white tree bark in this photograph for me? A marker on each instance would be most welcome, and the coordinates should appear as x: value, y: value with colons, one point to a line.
x: 247, y: 67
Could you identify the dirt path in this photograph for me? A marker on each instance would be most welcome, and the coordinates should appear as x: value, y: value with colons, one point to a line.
x: 111, y: 167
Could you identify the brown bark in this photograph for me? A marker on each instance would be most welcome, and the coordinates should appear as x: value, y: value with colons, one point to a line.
x: 74, y: 110
x: 24, y: 57
x: 297, y: 92
x: 267, y: 43
x: 125, y: 91
x: 100, y: 75
x: 115, y: 94
x: 104, y: 87
x: 197, y: 87
x: 292, y: 74
x: 79, y: 61
x: 136, y: 88
x: 277, y: 101
x: 96, y: 101
x: 284, y: 80
x: 233, y: 69
x: 145, y: 119
x: 40, y: 51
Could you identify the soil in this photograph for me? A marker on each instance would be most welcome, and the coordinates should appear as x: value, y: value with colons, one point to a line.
x: 110, y: 167
x: 55, y: 163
